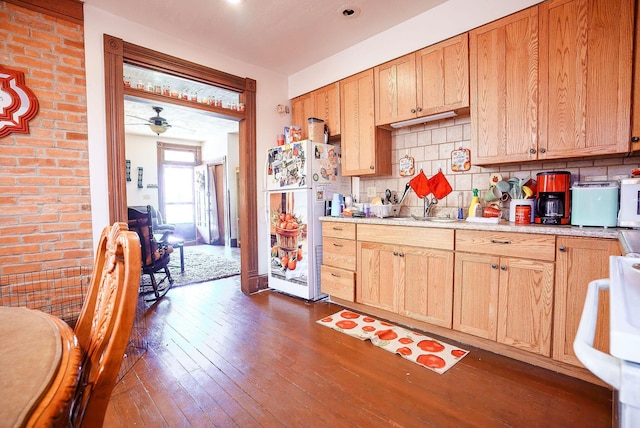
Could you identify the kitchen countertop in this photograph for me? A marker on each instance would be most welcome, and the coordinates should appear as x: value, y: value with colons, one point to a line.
x: 503, y: 226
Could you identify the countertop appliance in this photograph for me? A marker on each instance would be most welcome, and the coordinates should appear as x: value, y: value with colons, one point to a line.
x: 620, y: 368
x: 629, y: 214
x: 300, y: 178
x: 594, y: 203
x: 553, y: 203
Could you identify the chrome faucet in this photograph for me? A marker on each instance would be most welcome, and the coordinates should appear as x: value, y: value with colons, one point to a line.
x: 428, y: 205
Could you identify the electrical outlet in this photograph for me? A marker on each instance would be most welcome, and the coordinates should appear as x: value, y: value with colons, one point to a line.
x: 371, y: 192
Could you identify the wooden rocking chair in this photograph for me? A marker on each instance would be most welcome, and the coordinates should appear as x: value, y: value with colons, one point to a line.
x: 155, y: 254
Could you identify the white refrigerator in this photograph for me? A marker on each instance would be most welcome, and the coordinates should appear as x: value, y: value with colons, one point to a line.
x: 300, y: 178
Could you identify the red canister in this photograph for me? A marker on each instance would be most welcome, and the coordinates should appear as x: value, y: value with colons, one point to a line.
x: 523, y: 214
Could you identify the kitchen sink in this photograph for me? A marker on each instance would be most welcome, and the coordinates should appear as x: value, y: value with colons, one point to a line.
x: 441, y: 219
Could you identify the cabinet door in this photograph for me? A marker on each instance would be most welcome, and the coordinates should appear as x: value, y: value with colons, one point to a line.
x: 578, y: 262
x: 475, y: 294
x: 635, y: 118
x: 586, y: 70
x: 503, y: 62
x: 442, y: 76
x: 395, y: 90
x: 301, y: 111
x: 426, y: 293
x: 366, y: 150
x: 326, y: 106
x: 376, y: 283
x: 525, y: 305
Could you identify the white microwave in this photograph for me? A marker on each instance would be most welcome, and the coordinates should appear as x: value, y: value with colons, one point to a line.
x: 629, y: 214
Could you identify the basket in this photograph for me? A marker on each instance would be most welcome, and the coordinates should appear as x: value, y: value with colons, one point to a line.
x: 382, y: 211
x: 287, y: 239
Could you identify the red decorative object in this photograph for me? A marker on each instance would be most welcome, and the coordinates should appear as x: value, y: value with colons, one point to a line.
x: 18, y: 105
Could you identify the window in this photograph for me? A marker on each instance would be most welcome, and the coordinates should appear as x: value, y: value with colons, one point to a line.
x: 175, y: 170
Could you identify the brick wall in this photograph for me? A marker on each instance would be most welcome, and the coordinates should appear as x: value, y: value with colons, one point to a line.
x: 431, y: 144
x: 45, y: 207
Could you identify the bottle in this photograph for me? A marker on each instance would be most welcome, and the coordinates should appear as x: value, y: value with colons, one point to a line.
x: 474, y: 207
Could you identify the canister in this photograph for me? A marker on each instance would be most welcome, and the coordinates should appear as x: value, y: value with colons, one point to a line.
x: 595, y: 203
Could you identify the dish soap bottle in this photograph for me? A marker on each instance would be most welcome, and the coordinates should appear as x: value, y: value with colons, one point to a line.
x: 474, y: 207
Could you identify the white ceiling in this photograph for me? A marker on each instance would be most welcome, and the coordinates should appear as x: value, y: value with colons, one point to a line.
x: 284, y: 36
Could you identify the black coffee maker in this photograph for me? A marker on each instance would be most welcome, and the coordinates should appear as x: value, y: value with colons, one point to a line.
x: 552, y: 197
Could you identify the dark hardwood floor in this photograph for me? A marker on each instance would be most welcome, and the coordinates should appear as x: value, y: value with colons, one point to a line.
x: 219, y: 358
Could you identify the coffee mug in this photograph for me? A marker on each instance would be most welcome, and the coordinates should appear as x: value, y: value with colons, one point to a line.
x: 493, y: 194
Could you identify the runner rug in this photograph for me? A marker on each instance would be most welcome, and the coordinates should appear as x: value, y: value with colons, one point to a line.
x: 416, y: 347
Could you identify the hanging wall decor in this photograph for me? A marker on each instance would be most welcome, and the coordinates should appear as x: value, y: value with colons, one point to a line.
x: 18, y: 105
x: 460, y: 160
x: 128, y: 169
x: 406, y: 166
x: 140, y: 177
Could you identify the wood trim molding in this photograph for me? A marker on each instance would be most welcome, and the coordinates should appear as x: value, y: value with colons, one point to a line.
x: 117, y: 52
x: 69, y: 10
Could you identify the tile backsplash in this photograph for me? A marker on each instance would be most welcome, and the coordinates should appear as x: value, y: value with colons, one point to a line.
x: 431, y: 145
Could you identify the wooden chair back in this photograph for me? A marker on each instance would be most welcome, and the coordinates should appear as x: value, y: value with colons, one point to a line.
x: 105, y: 322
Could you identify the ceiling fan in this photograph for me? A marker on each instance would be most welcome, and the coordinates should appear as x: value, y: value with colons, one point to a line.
x: 157, y: 124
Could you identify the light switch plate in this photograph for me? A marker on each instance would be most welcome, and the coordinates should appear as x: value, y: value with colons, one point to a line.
x: 371, y: 192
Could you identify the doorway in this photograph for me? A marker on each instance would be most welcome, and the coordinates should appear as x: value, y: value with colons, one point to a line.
x: 118, y: 52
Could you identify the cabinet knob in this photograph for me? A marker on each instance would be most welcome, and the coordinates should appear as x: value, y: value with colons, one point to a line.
x: 494, y: 266
x: 401, y: 254
x: 337, y: 245
x: 532, y: 151
x: 413, y: 110
x: 503, y: 267
x: 371, y: 167
x: 543, y: 150
x: 419, y: 108
x: 395, y: 253
x: 562, y: 249
x: 635, y: 139
x: 336, y: 275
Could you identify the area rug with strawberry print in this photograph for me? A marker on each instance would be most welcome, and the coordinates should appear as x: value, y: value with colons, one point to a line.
x: 416, y: 347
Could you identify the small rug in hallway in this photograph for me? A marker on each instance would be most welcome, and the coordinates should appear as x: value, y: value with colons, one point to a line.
x: 416, y: 347
x: 199, y: 266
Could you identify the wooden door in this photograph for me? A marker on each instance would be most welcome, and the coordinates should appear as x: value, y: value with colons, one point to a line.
x: 426, y: 293
x: 326, y: 106
x: 586, y: 52
x: 635, y: 112
x: 301, y: 111
x: 503, y: 63
x: 376, y: 277
x: 525, y: 304
x: 475, y: 294
x: 442, y: 76
x: 357, y: 124
x: 395, y: 90
x: 578, y: 262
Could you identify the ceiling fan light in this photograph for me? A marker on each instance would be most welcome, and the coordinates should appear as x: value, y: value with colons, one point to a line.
x: 158, y: 129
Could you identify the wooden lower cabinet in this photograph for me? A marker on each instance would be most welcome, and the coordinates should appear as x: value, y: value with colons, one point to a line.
x: 578, y: 262
x: 507, y: 299
x: 412, y: 281
x: 337, y: 273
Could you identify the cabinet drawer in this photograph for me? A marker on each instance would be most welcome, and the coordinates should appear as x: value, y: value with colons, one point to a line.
x: 523, y: 245
x: 340, y: 253
x: 441, y: 239
x: 339, y: 230
x: 336, y: 282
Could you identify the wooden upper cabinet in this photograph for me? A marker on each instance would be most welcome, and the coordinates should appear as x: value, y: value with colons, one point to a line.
x: 366, y: 149
x: 442, y: 72
x: 301, y: 111
x: 635, y: 114
x: 395, y: 90
x: 326, y: 106
x: 503, y: 66
x: 432, y: 80
x: 586, y: 49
